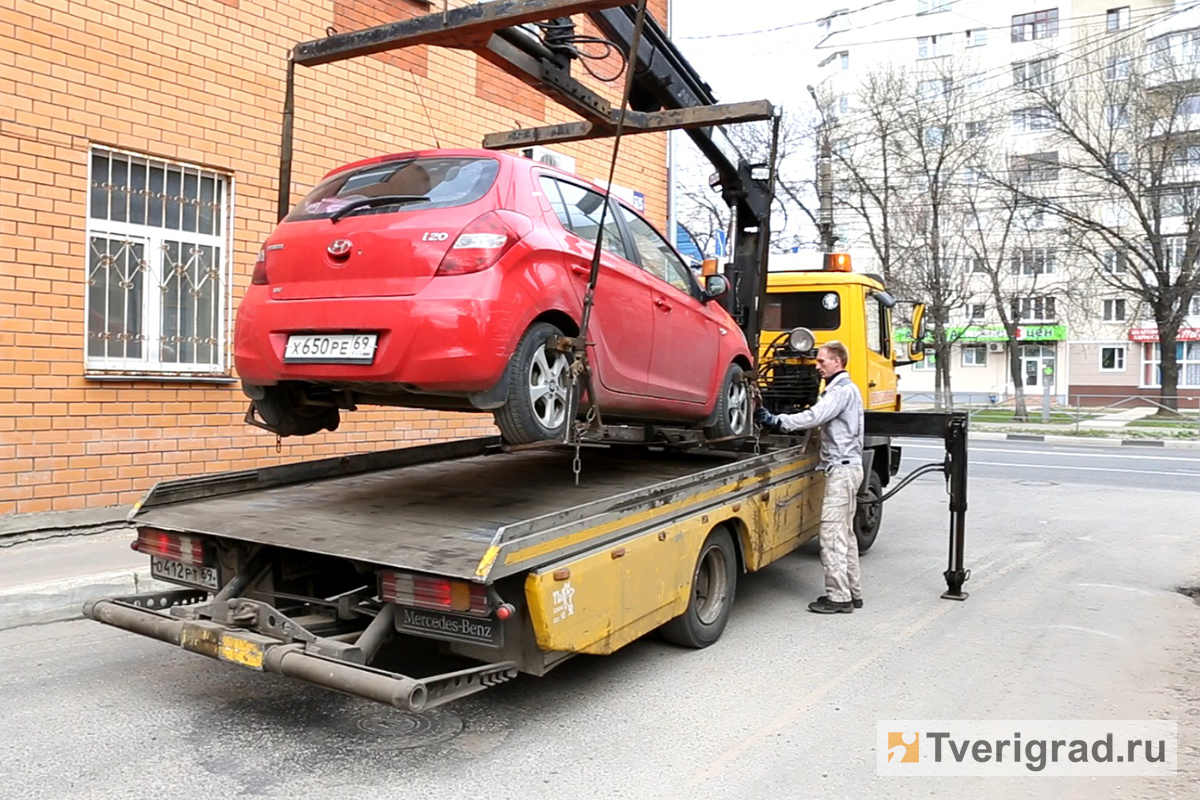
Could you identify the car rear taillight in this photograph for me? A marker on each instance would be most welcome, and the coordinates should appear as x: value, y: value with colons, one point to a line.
x: 483, y: 242
x: 427, y: 591
x: 259, y: 278
x: 173, y: 546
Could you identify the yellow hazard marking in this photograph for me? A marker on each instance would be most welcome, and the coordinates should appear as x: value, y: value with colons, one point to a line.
x: 533, y: 551
x: 489, y: 558
x: 241, y: 651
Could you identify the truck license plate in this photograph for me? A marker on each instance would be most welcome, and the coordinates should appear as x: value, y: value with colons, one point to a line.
x: 188, y: 574
x: 332, y: 348
x: 455, y: 627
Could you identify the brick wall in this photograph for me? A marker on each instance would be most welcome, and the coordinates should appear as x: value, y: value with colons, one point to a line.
x: 200, y: 81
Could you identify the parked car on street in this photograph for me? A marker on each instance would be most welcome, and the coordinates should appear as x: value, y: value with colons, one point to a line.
x: 437, y: 279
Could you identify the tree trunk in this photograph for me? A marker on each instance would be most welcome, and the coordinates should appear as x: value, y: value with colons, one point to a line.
x: 1020, y: 408
x: 1169, y: 393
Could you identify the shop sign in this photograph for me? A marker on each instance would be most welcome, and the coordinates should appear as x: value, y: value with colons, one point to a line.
x: 1151, y: 335
x: 971, y: 334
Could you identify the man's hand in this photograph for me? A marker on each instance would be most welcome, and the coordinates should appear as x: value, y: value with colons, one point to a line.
x: 765, y: 419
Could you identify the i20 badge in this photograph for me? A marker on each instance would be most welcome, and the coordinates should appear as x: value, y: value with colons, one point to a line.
x: 435, y: 236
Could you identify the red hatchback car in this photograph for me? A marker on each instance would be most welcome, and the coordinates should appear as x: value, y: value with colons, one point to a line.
x: 435, y: 279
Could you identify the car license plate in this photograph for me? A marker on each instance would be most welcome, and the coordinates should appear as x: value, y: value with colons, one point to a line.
x: 331, y: 348
x: 455, y: 627
x: 188, y: 574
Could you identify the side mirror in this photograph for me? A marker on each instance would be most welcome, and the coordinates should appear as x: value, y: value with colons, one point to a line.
x: 715, y: 286
x: 916, y: 349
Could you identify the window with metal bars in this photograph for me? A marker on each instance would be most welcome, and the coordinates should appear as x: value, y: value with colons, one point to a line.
x: 158, y: 237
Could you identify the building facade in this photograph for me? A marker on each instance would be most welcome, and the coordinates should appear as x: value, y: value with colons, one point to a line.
x: 1079, y: 336
x: 139, y: 156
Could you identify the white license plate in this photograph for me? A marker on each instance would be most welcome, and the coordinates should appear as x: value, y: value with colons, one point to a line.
x: 168, y: 570
x: 331, y: 348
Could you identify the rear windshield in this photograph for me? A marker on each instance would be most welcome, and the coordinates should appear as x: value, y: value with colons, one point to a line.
x: 447, y: 182
x: 817, y: 311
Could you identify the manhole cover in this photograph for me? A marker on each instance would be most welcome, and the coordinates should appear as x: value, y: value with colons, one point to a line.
x: 405, y: 729
x: 1036, y: 483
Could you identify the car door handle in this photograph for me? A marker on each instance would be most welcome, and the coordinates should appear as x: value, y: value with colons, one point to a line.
x: 871, y: 384
x: 663, y: 304
x: 580, y: 269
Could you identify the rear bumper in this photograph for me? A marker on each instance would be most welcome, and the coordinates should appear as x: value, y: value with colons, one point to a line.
x: 291, y: 658
x: 425, y: 343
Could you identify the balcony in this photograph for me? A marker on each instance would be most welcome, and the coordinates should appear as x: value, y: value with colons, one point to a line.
x: 1173, y: 49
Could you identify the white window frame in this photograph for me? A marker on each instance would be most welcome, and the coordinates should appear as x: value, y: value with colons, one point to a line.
x: 1116, y: 116
x: 977, y: 37
x: 1116, y: 68
x: 927, y: 364
x: 1117, y: 19
x: 1112, y: 306
x: 1152, y: 358
x: 1120, y: 359
x: 978, y: 355
x: 931, y: 46
x: 933, y: 6
x: 152, y: 239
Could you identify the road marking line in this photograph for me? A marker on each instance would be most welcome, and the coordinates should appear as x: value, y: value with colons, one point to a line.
x: 1179, y: 474
x: 1121, y: 456
x: 801, y: 707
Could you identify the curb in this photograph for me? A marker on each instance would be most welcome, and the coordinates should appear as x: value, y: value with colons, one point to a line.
x: 1094, y: 441
x: 60, y: 601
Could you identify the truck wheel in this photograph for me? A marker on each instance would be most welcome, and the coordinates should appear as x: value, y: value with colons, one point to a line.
x: 733, y: 406
x: 713, y: 583
x: 536, y: 408
x: 283, y: 410
x: 868, y: 516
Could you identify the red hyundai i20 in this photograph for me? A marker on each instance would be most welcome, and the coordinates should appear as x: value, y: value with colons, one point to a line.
x: 437, y: 279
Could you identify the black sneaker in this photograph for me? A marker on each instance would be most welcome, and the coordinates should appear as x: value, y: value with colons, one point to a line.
x: 856, y: 601
x: 823, y: 605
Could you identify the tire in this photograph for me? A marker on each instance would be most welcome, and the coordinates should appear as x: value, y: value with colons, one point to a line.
x: 867, y: 518
x: 283, y: 410
x: 536, y: 407
x: 733, y: 406
x: 714, y: 582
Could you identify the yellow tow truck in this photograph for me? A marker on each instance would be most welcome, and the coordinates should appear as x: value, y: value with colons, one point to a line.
x: 501, y: 559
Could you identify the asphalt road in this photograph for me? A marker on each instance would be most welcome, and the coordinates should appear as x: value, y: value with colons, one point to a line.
x: 1121, y: 467
x: 1073, y: 614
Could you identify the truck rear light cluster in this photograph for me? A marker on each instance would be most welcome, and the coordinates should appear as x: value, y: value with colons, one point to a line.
x: 172, y: 546
x: 427, y: 591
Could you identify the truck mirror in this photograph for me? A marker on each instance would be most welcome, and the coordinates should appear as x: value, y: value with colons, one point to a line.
x: 918, y: 327
x: 715, y: 286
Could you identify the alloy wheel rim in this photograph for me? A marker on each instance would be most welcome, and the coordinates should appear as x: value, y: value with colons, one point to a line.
x: 738, y: 395
x: 548, y: 387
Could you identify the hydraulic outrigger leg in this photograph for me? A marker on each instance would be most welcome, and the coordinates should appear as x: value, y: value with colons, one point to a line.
x: 952, y: 430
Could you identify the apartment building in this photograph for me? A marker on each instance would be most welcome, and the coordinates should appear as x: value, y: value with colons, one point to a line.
x: 1077, y: 334
x: 139, y: 157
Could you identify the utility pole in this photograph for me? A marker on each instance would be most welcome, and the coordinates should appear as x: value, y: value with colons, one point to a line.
x: 824, y: 181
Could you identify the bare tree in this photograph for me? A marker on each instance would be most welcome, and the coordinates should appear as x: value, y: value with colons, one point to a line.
x: 701, y: 210
x: 900, y: 159
x: 1126, y: 121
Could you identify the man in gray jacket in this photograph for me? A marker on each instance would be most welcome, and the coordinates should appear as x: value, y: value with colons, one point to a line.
x: 839, y: 414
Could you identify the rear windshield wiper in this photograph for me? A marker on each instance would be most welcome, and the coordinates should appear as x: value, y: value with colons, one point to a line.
x: 381, y: 200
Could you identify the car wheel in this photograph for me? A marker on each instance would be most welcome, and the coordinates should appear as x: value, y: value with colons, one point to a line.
x: 283, y: 410
x: 868, y: 516
x: 733, y: 406
x: 714, y: 582
x: 538, y: 381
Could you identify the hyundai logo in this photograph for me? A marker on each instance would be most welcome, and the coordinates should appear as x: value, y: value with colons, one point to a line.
x: 340, y: 248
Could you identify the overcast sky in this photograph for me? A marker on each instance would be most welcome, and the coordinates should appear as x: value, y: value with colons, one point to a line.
x: 769, y: 55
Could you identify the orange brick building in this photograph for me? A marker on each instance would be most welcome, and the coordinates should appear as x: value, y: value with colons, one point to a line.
x: 139, y: 149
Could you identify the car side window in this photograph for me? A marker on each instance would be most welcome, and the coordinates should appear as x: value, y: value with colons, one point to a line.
x: 658, y: 258
x: 583, y: 209
x: 550, y: 189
